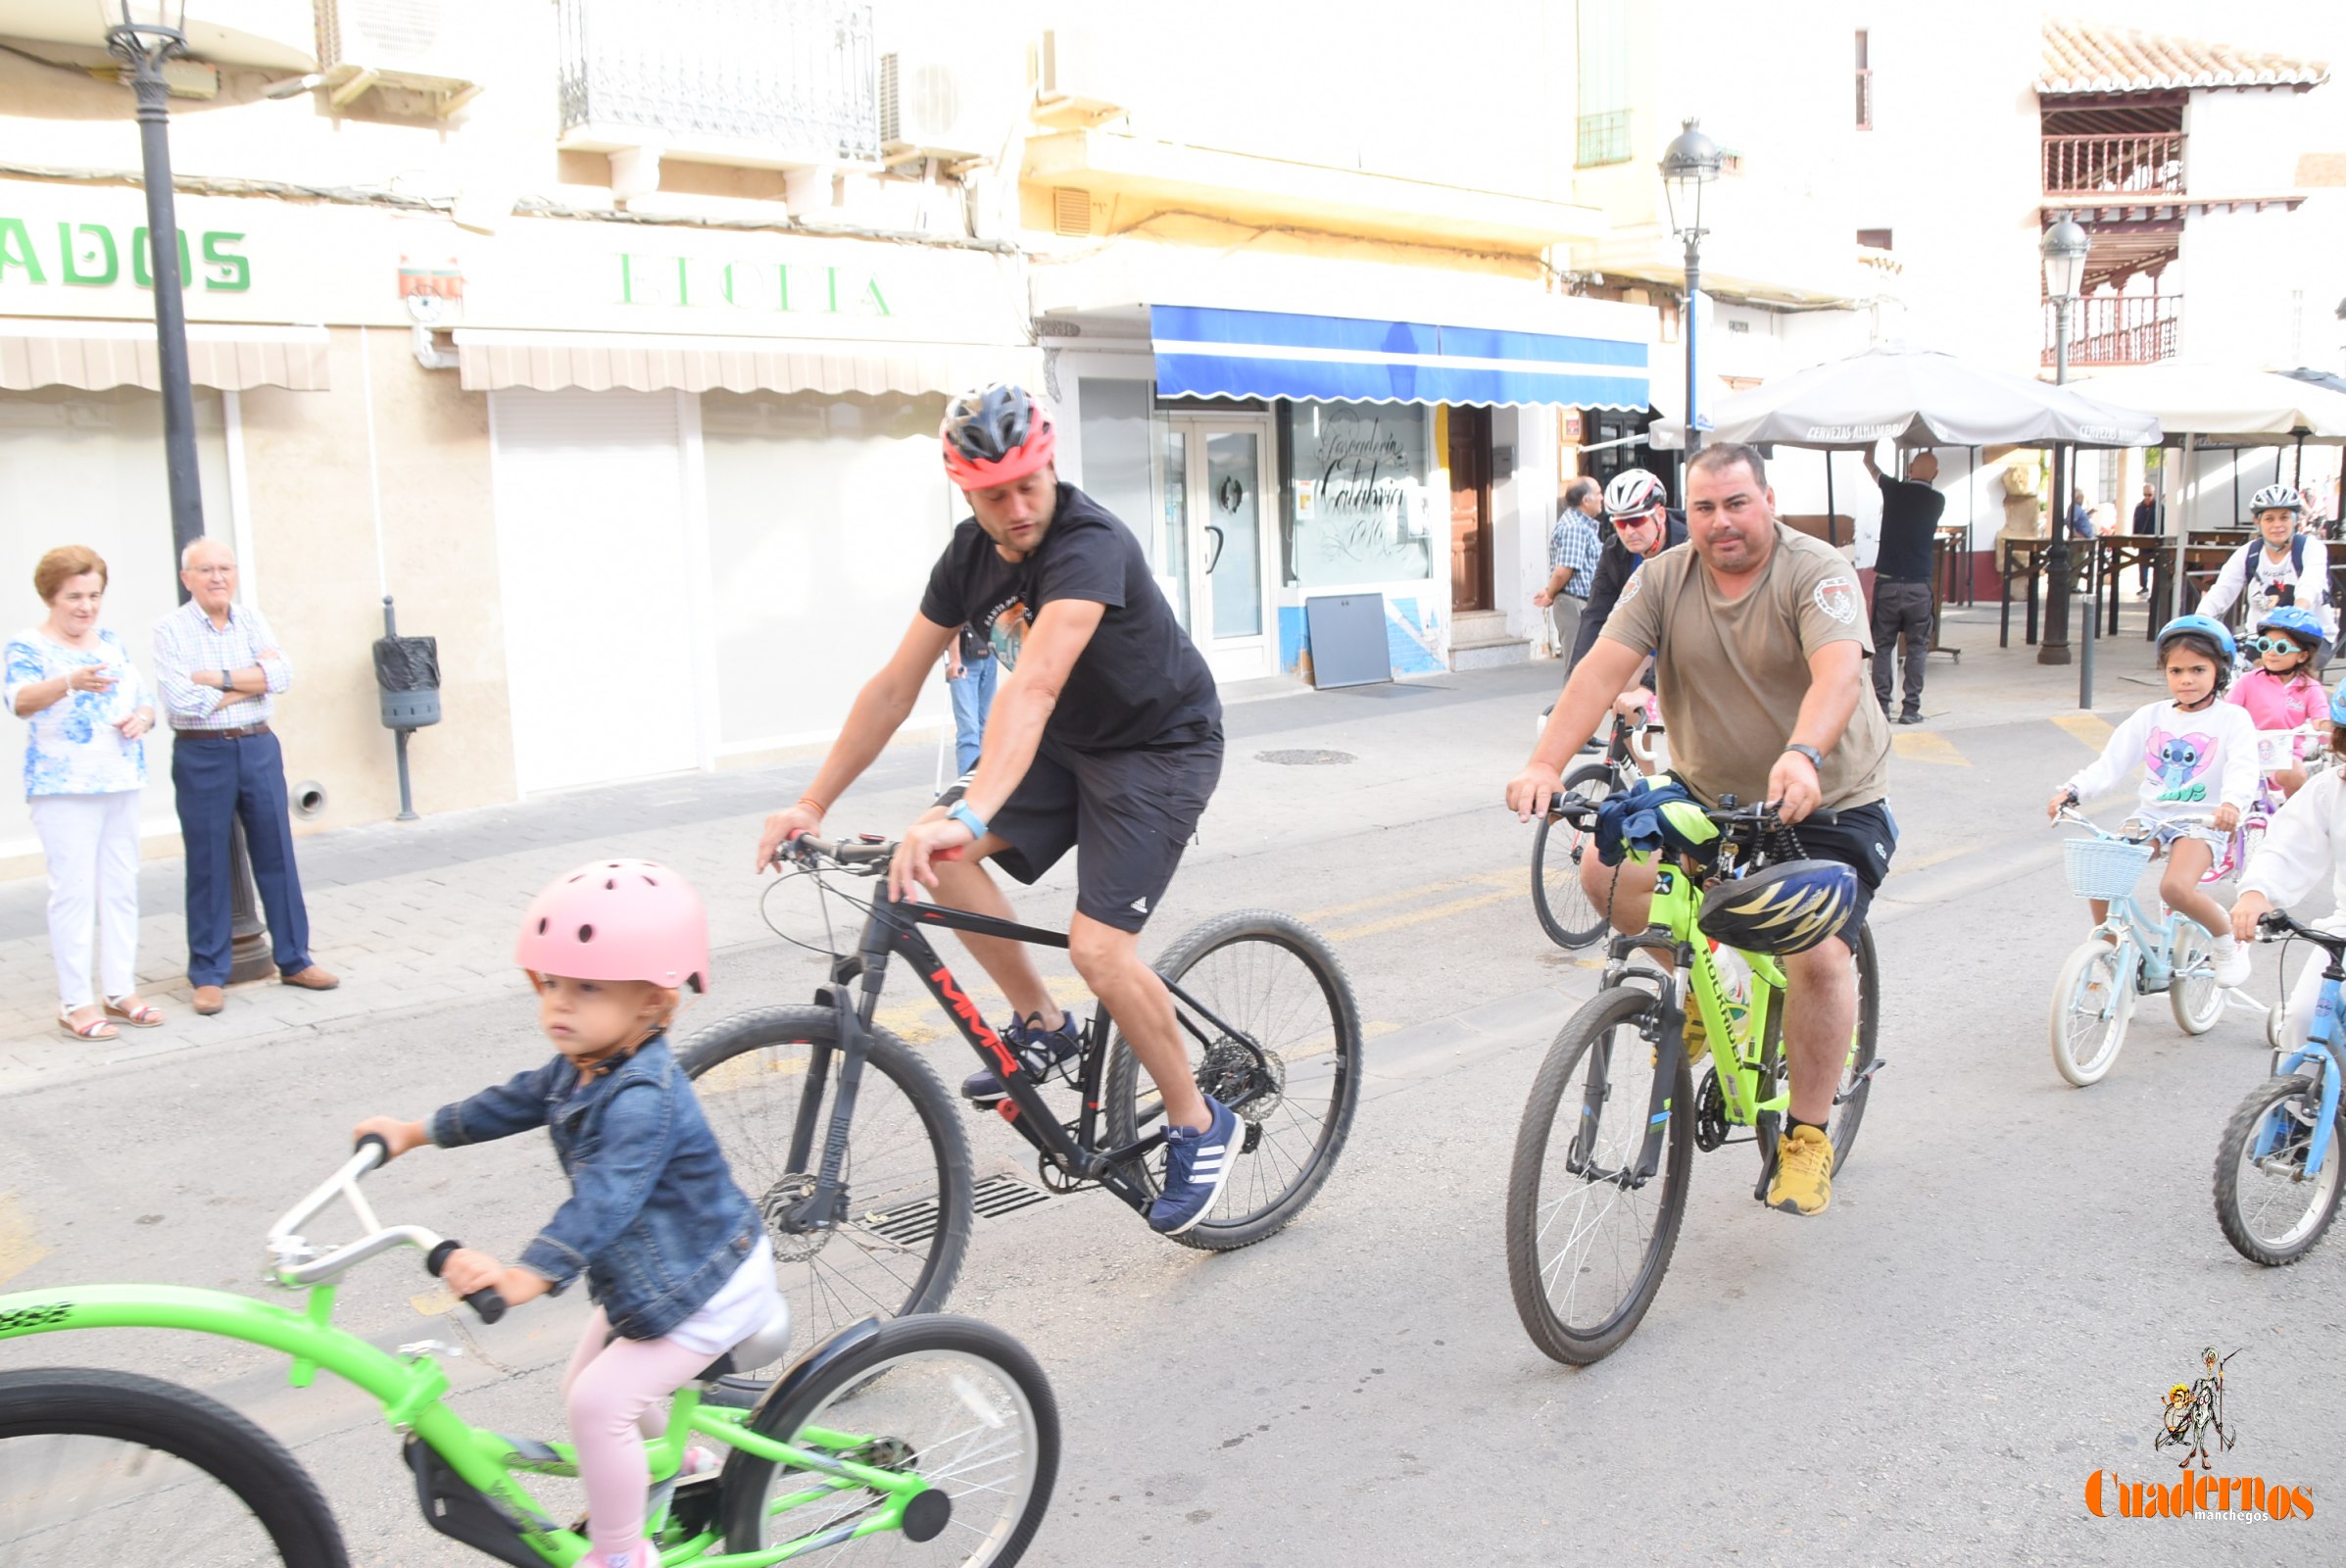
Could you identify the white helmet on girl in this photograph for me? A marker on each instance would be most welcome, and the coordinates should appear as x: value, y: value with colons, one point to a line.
x: 2275, y: 498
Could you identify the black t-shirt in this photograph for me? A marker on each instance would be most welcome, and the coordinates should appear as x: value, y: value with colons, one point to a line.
x: 1139, y: 682
x: 1910, y: 514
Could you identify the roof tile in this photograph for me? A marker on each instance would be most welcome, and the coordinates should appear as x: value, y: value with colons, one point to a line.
x: 2085, y: 58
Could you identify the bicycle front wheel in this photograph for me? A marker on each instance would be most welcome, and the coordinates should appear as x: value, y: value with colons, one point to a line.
x: 1587, y: 1248
x: 2271, y: 1211
x: 1566, y: 913
x: 961, y: 1404
x: 100, y: 1469
x: 2092, y: 1004
x: 1286, y: 1057
x: 895, y: 1245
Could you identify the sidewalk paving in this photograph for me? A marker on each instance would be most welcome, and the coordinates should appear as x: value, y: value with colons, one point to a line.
x: 416, y: 917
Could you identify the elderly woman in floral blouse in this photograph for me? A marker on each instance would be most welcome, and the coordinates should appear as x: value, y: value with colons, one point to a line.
x: 84, y: 765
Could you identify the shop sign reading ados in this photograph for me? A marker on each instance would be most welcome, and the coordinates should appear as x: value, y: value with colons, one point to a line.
x: 101, y: 256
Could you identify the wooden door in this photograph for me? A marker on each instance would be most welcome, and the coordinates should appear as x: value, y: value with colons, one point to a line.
x: 1470, y: 508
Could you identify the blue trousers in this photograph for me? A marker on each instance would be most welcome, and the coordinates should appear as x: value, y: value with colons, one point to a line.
x: 973, y: 700
x: 219, y: 782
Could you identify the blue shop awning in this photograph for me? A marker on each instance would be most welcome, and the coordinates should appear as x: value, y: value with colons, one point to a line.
x: 1269, y: 354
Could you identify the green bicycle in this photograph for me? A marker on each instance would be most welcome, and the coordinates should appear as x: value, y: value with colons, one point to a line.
x: 929, y: 1440
x: 1598, y: 1186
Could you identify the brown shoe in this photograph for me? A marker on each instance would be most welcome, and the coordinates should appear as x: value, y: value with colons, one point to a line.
x: 310, y: 979
x: 209, y: 999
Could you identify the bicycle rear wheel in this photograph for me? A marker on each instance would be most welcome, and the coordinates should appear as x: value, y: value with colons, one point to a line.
x: 1585, y: 1252
x: 961, y: 1405
x: 2272, y: 1212
x: 1289, y: 1065
x: 1566, y: 913
x: 1849, y: 1098
x: 2092, y: 1004
x: 102, y: 1469
x: 2193, y: 996
x: 898, y: 1244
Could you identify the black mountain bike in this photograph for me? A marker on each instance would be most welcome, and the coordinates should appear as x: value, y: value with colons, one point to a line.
x: 1558, y: 844
x: 850, y: 1147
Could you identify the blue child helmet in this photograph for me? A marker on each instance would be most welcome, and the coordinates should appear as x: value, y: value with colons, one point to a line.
x: 2211, y: 635
x: 2337, y: 705
x: 2299, y: 623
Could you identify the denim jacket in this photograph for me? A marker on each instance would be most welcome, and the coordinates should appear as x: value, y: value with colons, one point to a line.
x: 654, y: 1220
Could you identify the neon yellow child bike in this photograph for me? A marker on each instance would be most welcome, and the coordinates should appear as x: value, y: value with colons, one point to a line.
x: 931, y: 1439
x: 1602, y: 1159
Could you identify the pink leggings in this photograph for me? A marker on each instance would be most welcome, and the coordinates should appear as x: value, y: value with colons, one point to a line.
x: 613, y: 1390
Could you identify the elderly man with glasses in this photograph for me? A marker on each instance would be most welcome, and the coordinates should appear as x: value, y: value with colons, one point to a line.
x: 219, y: 668
x: 1636, y: 506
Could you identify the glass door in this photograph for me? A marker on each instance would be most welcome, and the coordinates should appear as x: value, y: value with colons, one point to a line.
x: 1218, y: 488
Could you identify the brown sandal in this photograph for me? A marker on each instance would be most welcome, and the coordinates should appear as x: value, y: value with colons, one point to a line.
x: 95, y: 1029
x: 146, y: 1015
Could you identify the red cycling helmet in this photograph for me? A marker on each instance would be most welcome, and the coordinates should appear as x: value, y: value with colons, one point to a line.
x: 997, y: 436
x: 618, y: 920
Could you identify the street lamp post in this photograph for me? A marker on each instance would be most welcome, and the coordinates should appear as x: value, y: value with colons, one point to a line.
x: 150, y: 32
x: 1691, y: 161
x: 2064, y: 250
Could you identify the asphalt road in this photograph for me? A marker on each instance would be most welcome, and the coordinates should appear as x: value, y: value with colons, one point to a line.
x: 2011, y: 1273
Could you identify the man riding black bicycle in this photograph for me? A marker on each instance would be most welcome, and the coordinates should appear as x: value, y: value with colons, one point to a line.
x: 1105, y: 738
x: 1760, y: 642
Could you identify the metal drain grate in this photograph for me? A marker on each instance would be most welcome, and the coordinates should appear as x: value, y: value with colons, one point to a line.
x: 913, y: 1224
x: 1305, y: 759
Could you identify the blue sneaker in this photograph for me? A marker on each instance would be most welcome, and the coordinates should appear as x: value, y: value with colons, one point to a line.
x: 1197, y: 1164
x: 1037, y: 1049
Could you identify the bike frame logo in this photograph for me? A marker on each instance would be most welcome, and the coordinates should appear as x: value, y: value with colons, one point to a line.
x: 966, y: 1010
x: 2191, y: 1419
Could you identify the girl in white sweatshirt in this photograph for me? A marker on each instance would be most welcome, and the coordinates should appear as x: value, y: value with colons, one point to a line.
x: 2198, y: 757
x: 2305, y: 843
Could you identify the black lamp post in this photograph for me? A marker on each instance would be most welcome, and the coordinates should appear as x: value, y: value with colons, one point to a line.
x: 2064, y: 250
x: 151, y: 33
x: 1691, y: 161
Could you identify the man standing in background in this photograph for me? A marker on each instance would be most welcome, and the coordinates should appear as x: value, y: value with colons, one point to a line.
x: 2146, y: 521
x: 1572, y: 553
x: 1910, y: 511
x: 969, y: 673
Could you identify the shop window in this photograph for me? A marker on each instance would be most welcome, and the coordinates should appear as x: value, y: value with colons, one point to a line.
x: 1362, y: 503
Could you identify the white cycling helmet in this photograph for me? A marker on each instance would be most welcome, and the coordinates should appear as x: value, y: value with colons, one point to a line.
x: 2275, y: 498
x: 1633, y: 493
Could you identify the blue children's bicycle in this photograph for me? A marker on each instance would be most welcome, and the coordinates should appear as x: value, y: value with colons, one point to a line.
x: 2277, y: 1170
x: 2132, y: 952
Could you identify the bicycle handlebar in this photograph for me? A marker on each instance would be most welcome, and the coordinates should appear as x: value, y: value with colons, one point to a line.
x: 297, y: 1265
x: 2274, y: 924
x: 2199, y: 823
x: 1581, y: 813
x: 857, y: 855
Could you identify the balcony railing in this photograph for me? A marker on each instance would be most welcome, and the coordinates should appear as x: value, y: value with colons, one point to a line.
x: 2119, y: 329
x: 792, y: 79
x: 1603, y: 139
x: 2098, y: 166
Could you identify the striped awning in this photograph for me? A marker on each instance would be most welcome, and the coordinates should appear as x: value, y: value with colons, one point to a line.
x: 97, y: 354
x: 490, y: 360
x: 1268, y: 353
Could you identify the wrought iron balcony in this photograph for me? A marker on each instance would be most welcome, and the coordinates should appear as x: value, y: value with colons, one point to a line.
x: 779, y: 81
x: 2119, y: 329
x: 2097, y: 166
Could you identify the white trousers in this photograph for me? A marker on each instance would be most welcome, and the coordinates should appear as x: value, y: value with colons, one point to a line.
x: 92, y: 845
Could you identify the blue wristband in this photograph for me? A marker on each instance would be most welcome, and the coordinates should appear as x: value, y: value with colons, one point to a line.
x: 968, y: 818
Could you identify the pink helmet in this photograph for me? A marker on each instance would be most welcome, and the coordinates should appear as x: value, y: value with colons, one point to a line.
x: 618, y: 920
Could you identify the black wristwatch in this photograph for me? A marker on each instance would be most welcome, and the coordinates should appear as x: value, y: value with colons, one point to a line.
x: 1816, y: 758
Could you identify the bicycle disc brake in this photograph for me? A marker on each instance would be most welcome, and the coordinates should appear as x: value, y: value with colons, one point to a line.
x: 788, y: 1229
x: 1247, y: 1078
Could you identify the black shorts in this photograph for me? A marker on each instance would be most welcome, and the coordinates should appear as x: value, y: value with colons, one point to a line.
x: 1132, y: 812
x: 1861, y: 836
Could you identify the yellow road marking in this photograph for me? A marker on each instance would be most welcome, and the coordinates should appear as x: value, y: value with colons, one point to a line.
x: 2090, y: 731
x: 19, y: 1249
x: 1922, y: 745
x: 434, y: 1304
x: 1403, y: 894
x: 1919, y: 862
x: 1420, y: 916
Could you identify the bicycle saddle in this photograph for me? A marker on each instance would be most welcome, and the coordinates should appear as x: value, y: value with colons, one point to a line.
x: 762, y: 1346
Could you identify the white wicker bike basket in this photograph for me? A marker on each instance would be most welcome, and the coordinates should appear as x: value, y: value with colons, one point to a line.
x: 2104, y: 869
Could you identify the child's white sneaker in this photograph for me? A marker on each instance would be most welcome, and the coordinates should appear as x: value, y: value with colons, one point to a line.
x: 2231, y: 964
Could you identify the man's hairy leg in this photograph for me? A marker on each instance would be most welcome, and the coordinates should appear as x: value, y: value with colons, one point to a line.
x: 1110, y: 960
x: 965, y: 884
x: 1820, y: 1015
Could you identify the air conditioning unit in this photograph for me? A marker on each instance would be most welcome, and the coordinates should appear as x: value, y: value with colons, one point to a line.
x: 929, y: 108
x: 401, y: 45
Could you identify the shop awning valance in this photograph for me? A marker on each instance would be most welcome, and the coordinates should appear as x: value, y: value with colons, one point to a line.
x: 493, y: 360
x: 94, y: 355
x: 1269, y: 354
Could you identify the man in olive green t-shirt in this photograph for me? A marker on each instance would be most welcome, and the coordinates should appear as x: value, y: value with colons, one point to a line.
x: 1761, y: 644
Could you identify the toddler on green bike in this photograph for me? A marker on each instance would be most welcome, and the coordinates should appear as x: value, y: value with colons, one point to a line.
x: 2198, y: 756
x: 674, y: 1254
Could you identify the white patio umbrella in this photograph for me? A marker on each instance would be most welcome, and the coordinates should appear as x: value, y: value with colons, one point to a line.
x: 2225, y: 403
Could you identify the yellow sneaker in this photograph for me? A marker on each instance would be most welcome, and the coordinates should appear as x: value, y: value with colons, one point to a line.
x: 1803, y: 1183
x: 1699, y: 1044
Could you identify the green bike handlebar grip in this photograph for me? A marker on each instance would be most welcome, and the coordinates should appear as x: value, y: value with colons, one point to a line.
x: 487, y: 1303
